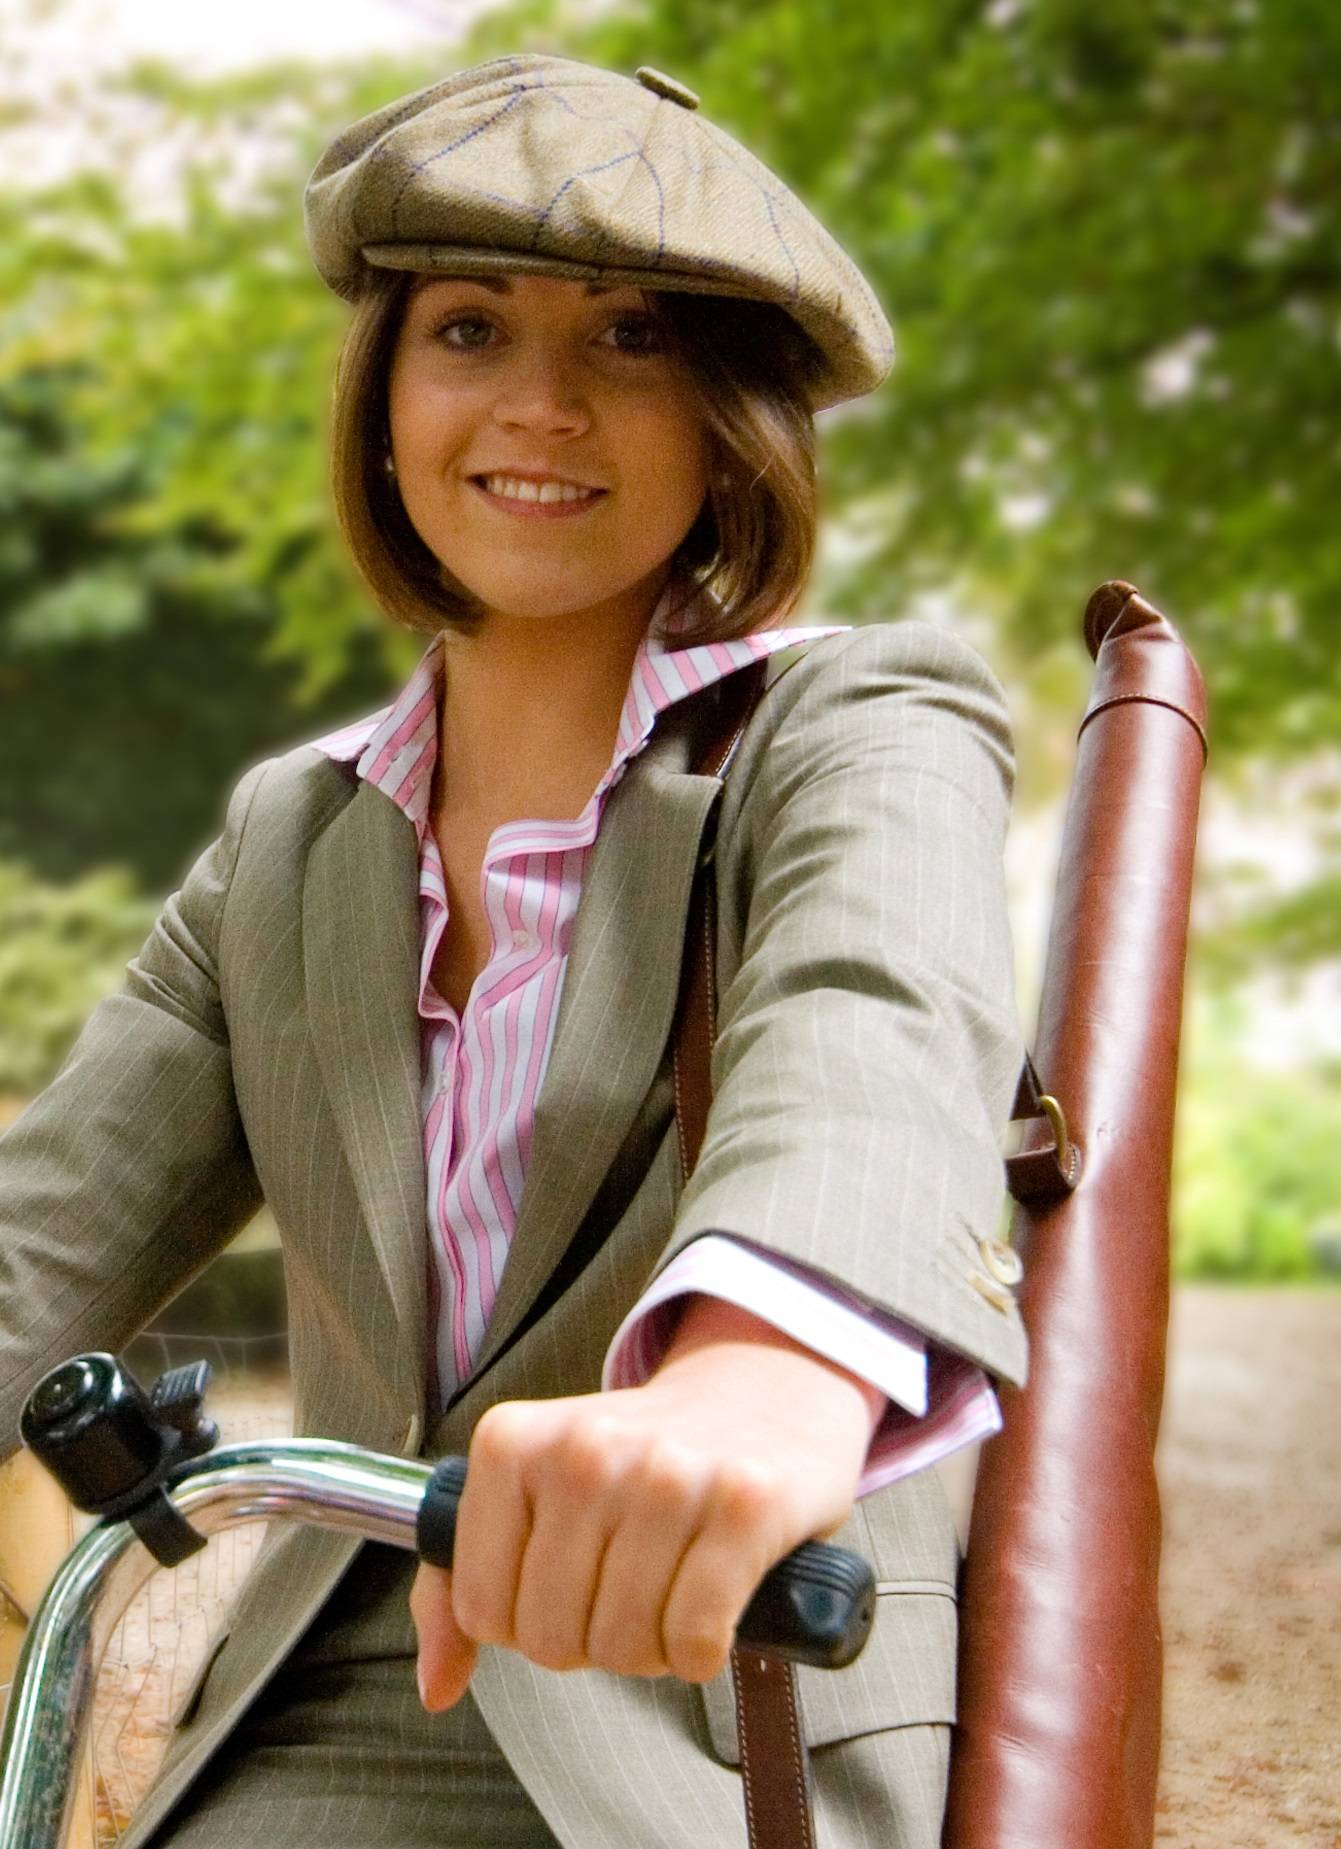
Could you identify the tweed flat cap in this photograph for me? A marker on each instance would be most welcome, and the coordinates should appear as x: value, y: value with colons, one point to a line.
x: 561, y: 168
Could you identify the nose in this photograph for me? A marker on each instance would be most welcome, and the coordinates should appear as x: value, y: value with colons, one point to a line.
x: 542, y: 392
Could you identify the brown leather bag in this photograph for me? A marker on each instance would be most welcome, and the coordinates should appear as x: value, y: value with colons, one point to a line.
x: 1057, y: 1740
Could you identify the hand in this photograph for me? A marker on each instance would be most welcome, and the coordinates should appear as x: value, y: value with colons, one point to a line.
x: 628, y: 1530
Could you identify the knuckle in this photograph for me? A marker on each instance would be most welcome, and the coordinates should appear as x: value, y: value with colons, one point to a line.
x: 746, y: 1494
x: 623, y: 1654
x: 429, y: 1585
x: 668, y: 1477
x: 586, y: 1459
x: 552, y: 1653
x: 497, y: 1433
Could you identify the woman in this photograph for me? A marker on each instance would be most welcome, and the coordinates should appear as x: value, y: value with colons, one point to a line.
x: 418, y: 995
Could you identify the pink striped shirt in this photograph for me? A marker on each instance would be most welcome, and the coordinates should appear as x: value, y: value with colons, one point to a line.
x: 482, y: 1073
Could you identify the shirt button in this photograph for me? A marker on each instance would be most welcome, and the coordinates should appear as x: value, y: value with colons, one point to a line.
x: 521, y: 939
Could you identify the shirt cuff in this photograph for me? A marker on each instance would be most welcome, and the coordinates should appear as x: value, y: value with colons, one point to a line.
x: 795, y: 1299
x: 938, y: 1400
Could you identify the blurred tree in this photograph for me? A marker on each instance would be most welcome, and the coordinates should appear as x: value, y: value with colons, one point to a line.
x: 135, y: 677
x: 61, y: 950
x: 1107, y: 239
x: 1257, y: 1178
x: 1107, y: 242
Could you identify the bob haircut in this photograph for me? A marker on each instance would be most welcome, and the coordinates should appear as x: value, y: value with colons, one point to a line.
x: 749, y: 553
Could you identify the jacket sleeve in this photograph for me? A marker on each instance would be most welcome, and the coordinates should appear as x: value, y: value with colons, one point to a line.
x: 868, y: 1042
x: 131, y: 1169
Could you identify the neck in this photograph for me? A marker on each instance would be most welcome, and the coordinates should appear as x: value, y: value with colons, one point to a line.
x: 530, y: 709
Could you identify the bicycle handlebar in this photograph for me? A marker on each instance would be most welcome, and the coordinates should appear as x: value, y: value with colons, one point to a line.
x: 815, y: 1606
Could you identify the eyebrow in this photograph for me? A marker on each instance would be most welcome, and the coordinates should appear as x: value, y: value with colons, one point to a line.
x: 502, y: 285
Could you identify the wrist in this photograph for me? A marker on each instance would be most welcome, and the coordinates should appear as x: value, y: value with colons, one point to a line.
x: 706, y: 1321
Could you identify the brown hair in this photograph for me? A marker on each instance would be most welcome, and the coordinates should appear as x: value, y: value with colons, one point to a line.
x: 750, y: 550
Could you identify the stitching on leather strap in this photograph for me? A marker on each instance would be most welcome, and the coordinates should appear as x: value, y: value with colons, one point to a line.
x: 743, y: 1741
x: 798, y: 1751
x: 1148, y: 699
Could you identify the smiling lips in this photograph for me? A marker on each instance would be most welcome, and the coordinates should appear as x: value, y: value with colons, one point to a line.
x: 549, y: 499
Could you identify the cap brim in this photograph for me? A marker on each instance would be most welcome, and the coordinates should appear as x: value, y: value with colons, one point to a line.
x: 832, y: 387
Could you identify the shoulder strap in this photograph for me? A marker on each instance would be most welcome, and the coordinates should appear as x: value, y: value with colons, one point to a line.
x: 774, y: 1765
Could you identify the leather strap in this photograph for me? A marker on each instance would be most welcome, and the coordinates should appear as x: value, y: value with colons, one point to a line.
x: 774, y: 1764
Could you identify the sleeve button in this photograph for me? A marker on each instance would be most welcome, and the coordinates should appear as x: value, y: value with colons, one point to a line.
x: 1002, y: 1261
x: 995, y: 1294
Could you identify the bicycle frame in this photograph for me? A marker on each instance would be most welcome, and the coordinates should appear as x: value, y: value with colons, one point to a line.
x: 319, y: 1481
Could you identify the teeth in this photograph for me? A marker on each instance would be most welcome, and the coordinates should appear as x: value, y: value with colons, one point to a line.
x: 536, y: 491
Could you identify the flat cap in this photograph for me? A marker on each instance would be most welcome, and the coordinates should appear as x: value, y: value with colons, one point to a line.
x: 561, y: 168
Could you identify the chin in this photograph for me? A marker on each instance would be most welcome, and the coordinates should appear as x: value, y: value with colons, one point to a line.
x: 538, y: 603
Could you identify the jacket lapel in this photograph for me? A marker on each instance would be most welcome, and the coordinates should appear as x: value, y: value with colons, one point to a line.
x: 361, y: 954
x: 361, y: 949
x: 615, y: 1012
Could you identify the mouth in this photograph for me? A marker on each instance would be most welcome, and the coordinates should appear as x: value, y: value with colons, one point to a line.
x: 529, y: 500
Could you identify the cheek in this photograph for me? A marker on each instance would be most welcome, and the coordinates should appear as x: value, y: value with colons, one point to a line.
x: 423, y: 418
x: 674, y: 474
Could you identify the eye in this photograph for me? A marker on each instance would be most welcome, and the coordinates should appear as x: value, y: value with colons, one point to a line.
x: 637, y: 334
x: 458, y: 321
x: 648, y: 336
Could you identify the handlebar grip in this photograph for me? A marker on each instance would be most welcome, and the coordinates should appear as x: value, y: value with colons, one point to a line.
x: 816, y: 1606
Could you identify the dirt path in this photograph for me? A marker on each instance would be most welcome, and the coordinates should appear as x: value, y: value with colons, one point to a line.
x: 1251, y: 1474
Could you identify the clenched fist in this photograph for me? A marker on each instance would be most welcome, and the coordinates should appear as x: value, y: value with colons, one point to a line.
x: 628, y: 1530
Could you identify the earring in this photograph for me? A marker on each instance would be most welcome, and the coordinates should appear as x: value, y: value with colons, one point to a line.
x: 389, y: 463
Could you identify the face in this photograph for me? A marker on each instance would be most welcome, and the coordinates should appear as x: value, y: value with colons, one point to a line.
x: 495, y: 379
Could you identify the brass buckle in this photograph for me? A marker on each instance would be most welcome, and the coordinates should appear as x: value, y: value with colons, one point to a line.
x: 1057, y: 1118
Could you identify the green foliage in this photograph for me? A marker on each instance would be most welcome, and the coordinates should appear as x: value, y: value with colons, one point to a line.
x: 1049, y: 198
x: 61, y: 950
x: 1257, y: 1175
x: 137, y: 673
x: 1051, y: 201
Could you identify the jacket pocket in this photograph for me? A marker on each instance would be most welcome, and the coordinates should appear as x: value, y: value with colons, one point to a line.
x: 905, y: 1675
x: 185, y: 1711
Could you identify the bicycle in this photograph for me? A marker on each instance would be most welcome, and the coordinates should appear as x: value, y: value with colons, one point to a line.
x: 146, y: 1465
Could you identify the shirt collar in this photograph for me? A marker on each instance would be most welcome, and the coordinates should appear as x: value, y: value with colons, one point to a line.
x: 396, y: 747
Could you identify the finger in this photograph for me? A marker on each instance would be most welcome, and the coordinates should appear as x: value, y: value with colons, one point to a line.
x: 559, y: 1574
x: 446, y: 1655
x: 493, y: 1523
x: 741, y: 1536
x: 575, y: 1494
x: 666, y: 1497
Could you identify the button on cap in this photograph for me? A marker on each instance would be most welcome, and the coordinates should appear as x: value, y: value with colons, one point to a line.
x: 666, y: 86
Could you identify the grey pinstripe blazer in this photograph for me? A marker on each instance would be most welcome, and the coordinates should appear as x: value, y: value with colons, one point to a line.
x: 266, y: 1046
